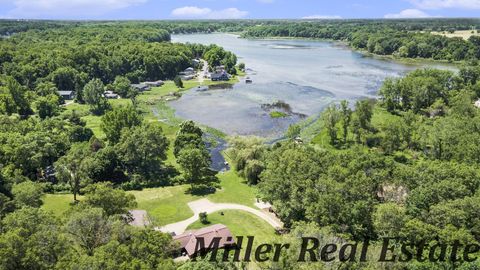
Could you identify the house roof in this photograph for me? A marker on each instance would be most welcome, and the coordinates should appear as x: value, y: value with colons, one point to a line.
x: 218, y: 74
x: 188, y: 240
x: 65, y: 92
x: 139, y: 86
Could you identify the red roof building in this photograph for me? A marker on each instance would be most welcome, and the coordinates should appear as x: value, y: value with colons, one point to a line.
x: 189, y: 240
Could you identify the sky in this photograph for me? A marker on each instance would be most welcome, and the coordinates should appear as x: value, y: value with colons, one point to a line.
x: 235, y: 9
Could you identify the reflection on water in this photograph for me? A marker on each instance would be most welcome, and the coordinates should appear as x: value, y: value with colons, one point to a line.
x: 305, y: 74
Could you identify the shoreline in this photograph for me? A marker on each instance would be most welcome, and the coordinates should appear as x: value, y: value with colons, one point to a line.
x: 402, y: 60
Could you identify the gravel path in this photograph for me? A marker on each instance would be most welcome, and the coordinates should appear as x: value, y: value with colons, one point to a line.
x: 204, y: 205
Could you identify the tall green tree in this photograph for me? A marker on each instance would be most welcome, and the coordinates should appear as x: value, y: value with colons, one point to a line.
x: 89, y: 229
x: 47, y: 106
x: 121, y: 86
x: 114, y: 121
x: 72, y: 169
x: 13, y: 97
x: 188, y: 134
x: 143, y: 149
x: 112, y: 201
x: 28, y: 193
x: 364, y: 111
x: 331, y: 117
x: 195, y: 164
x: 178, y: 81
x: 346, y: 115
x: 93, y: 96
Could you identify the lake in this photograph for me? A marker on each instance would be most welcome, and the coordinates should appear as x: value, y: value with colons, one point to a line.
x: 303, y: 76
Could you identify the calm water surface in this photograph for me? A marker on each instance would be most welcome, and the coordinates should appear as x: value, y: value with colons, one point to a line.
x: 307, y: 75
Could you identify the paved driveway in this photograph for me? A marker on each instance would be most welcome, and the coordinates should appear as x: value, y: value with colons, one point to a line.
x: 205, y: 205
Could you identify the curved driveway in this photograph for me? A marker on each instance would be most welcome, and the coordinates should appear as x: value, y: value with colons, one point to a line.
x: 204, y: 205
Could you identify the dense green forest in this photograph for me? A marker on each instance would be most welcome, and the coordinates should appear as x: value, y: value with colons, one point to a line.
x: 46, y: 148
x: 406, y: 165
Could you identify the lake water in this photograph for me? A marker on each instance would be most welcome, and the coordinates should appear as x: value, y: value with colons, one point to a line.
x: 306, y: 75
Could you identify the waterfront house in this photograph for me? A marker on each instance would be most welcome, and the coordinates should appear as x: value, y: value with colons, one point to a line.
x: 188, y: 71
x: 154, y: 83
x: 195, y: 62
x: 140, y: 87
x: 220, y: 76
x: 67, y: 95
x: 188, y: 240
x: 220, y: 68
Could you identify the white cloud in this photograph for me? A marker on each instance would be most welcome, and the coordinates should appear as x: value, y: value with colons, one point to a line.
x: 408, y: 13
x: 320, y: 17
x: 443, y: 4
x: 191, y: 12
x: 66, y: 8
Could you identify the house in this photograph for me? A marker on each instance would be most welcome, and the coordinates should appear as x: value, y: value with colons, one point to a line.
x: 67, y: 95
x: 220, y: 68
x: 154, y: 84
x: 187, y: 77
x: 110, y: 95
x: 195, y: 62
x: 220, y: 76
x: 188, y: 241
x: 140, y: 87
x: 188, y: 71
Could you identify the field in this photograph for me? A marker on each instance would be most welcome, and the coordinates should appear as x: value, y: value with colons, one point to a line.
x: 169, y: 204
x: 465, y: 34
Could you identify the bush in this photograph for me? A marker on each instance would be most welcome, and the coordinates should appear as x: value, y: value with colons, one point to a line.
x: 178, y: 81
x: 203, y: 218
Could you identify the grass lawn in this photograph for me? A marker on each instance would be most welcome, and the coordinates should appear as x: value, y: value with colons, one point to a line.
x: 58, y: 204
x: 169, y: 204
x: 465, y: 34
x: 241, y: 223
x: 234, y: 190
x: 165, y: 205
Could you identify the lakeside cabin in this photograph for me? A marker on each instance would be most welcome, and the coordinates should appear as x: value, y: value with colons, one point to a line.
x: 67, y: 94
x: 140, y: 87
x: 154, y: 83
x: 220, y: 68
x: 187, y: 74
x: 188, y: 240
x: 220, y: 76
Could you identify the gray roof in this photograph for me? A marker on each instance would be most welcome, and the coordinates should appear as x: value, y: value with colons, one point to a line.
x: 139, y: 86
x: 65, y: 92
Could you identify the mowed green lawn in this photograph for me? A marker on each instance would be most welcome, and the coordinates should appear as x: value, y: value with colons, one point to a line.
x: 165, y: 205
x: 169, y: 204
x: 241, y: 223
x: 58, y: 204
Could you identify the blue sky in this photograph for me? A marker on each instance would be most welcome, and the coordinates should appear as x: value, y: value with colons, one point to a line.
x: 235, y: 9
